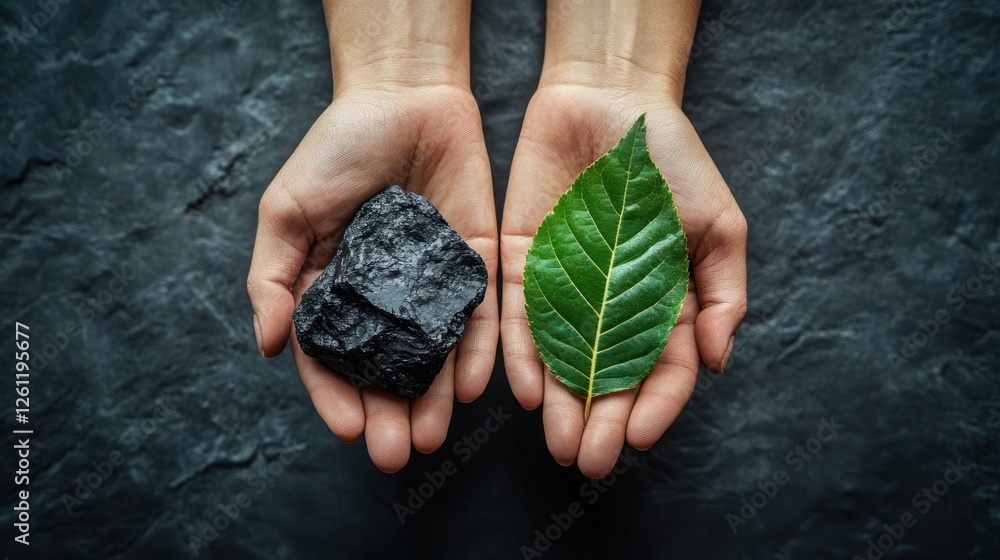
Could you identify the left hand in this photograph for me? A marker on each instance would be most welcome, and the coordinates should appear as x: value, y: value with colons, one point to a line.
x: 566, y: 128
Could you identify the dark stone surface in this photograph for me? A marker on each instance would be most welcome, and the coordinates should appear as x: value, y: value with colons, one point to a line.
x: 165, y: 372
x: 394, y: 300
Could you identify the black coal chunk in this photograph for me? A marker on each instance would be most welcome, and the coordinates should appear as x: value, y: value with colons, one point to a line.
x: 395, y: 299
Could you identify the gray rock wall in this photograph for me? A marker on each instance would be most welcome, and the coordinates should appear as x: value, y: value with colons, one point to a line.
x: 137, y: 138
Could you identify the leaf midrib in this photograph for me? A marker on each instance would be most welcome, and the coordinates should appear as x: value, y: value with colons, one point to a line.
x: 607, y: 280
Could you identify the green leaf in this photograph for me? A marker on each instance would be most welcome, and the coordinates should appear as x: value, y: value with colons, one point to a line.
x: 607, y: 273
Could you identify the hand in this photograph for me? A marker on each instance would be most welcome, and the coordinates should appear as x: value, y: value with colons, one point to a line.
x: 566, y: 128
x: 394, y: 120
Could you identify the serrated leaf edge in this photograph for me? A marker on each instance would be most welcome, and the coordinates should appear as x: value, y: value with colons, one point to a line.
x: 687, y: 280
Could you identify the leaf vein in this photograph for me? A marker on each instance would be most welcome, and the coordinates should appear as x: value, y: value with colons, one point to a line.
x: 645, y: 309
x: 580, y: 243
x: 630, y: 337
x: 556, y: 311
x: 564, y: 269
x: 607, y: 283
x: 592, y: 220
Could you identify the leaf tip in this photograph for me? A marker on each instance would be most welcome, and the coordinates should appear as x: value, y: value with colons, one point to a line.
x: 640, y: 123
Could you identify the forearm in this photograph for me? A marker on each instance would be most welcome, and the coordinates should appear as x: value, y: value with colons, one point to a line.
x: 631, y: 44
x: 398, y: 43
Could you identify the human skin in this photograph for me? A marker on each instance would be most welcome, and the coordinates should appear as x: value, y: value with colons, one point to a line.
x: 402, y: 113
x: 606, y: 63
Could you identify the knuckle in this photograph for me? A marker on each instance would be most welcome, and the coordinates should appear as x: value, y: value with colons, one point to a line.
x: 276, y: 205
x: 727, y: 229
x: 605, y: 424
x: 734, y: 226
x: 669, y: 401
x: 742, y: 227
x: 742, y: 306
x: 270, y: 209
x: 266, y: 209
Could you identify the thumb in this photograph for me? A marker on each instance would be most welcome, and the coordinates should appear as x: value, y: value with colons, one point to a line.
x: 720, y: 276
x: 280, y: 249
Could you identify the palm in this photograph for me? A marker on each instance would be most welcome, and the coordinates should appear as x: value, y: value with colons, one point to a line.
x: 567, y: 128
x: 429, y: 141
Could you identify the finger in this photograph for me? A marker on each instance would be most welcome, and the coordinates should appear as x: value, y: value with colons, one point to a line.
x: 477, y: 349
x: 461, y: 187
x: 716, y: 229
x: 562, y: 418
x: 387, y: 429
x: 604, y: 435
x: 720, y: 276
x: 668, y: 387
x: 431, y: 412
x: 335, y: 398
x: 521, y: 360
x: 281, y: 246
x: 539, y: 174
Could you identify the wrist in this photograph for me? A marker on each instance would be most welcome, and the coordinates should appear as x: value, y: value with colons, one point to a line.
x: 640, y: 46
x: 617, y: 76
x: 399, y: 69
x: 393, y: 44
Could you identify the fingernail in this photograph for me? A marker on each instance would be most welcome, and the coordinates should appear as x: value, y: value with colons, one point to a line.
x: 256, y: 333
x: 729, y: 352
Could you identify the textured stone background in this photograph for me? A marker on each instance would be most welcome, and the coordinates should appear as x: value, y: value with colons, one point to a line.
x: 844, y: 264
